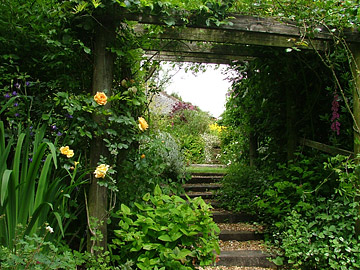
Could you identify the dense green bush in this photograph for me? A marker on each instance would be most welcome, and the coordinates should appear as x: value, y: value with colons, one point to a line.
x: 295, y: 186
x: 317, y: 222
x: 186, y: 123
x: 157, y: 161
x: 323, y: 236
x: 33, y: 252
x: 164, y: 232
x: 241, y: 188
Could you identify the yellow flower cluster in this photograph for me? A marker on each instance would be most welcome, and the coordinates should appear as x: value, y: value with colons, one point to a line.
x: 100, y: 98
x: 216, y: 127
x: 65, y: 150
x: 143, y: 125
x: 101, y: 170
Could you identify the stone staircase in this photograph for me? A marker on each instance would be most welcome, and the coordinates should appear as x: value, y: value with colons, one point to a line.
x: 235, y: 228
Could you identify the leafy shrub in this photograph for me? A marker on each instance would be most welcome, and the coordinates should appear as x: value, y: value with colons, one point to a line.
x: 241, y: 188
x: 232, y: 146
x: 164, y: 232
x: 294, y: 186
x: 171, y: 156
x: 324, y: 237
x: 157, y: 161
x: 193, y: 148
x: 35, y: 253
x: 186, y: 123
x: 211, y: 141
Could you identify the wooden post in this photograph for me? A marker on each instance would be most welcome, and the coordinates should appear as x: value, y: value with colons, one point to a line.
x: 356, y: 110
x: 102, y: 80
x: 291, y: 134
x: 252, y: 148
x: 356, y: 102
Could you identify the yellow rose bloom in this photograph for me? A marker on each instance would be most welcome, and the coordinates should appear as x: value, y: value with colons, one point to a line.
x: 101, y: 170
x: 100, y: 98
x: 65, y: 150
x: 143, y: 125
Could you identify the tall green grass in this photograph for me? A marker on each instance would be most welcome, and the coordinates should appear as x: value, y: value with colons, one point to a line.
x: 29, y: 195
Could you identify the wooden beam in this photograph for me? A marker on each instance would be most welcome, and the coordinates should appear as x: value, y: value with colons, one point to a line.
x: 326, y: 148
x: 216, y: 49
x: 246, y: 23
x: 195, y: 57
x: 236, y: 37
x: 205, y: 52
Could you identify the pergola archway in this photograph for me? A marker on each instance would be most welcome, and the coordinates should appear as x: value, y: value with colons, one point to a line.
x: 238, y: 40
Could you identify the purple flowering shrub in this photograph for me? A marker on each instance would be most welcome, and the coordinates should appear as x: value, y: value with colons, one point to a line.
x: 335, y: 124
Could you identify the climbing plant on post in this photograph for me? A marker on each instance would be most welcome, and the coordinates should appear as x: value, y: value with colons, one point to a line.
x: 102, y: 83
x: 356, y: 109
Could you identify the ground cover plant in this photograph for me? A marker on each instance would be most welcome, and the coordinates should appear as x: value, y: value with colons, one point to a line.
x: 166, y: 232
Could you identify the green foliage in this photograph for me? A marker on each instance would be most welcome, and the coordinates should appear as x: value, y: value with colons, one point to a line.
x: 318, y: 229
x: 324, y: 236
x: 186, y: 124
x: 257, y: 105
x: 158, y: 160
x: 33, y: 252
x: 31, y: 193
x: 232, y: 142
x: 295, y: 186
x: 164, y: 232
x: 241, y: 188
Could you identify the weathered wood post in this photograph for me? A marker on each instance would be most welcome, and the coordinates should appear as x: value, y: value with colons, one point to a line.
x: 355, y: 49
x: 291, y: 133
x: 252, y: 148
x: 102, y: 80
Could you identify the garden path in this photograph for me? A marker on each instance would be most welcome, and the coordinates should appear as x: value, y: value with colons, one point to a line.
x: 241, y: 242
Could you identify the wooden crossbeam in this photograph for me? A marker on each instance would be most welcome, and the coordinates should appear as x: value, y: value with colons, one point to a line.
x: 196, y: 57
x: 326, y: 148
x: 199, y: 52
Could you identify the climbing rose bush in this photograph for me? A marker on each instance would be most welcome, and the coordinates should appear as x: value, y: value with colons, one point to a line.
x: 101, y: 171
x: 100, y: 98
x: 143, y: 125
x: 65, y: 150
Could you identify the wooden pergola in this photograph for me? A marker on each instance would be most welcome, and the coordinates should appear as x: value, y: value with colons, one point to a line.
x: 237, y: 41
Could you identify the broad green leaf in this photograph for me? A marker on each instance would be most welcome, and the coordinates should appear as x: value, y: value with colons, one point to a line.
x: 165, y: 238
x: 43, y: 182
x: 146, y: 197
x: 59, y: 220
x: 4, y: 185
x: 176, y: 236
x: 157, y: 191
x: 125, y: 210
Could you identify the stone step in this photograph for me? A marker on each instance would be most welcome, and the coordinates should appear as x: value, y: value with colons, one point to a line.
x: 245, y: 258
x: 215, y: 174
x: 213, y: 203
x: 204, y: 179
x: 229, y: 217
x: 203, y: 195
x: 201, y: 187
x: 226, y: 235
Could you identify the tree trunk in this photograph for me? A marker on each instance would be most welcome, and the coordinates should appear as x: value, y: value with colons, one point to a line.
x: 252, y: 148
x: 102, y: 81
x: 290, y: 123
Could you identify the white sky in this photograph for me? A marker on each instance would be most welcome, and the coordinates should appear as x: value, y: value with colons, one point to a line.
x: 206, y: 90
